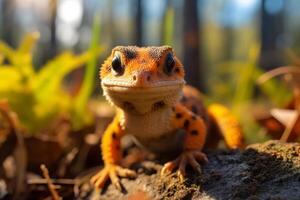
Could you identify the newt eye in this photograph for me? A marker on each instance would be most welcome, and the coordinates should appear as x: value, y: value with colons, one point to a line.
x: 116, y: 65
x: 169, y: 65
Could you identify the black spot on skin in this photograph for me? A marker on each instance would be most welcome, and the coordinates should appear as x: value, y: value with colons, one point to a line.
x: 178, y: 115
x: 177, y: 70
x: 186, y: 124
x: 194, y: 117
x: 194, y: 132
x: 194, y: 109
x: 114, y: 136
x: 128, y: 105
x: 130, y: 53
x: 173, y: 108
x: 183, y: 99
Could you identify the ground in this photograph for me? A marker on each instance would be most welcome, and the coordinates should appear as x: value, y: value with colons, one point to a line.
x: 263, y: 171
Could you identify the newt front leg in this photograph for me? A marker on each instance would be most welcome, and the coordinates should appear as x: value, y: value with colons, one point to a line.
x: 112, y: 155
x: 195, y: 135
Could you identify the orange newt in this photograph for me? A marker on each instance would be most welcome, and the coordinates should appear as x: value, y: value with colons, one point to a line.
x: 147, y: 86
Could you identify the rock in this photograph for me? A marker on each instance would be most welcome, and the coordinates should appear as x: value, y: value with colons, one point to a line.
x: 263, y: 171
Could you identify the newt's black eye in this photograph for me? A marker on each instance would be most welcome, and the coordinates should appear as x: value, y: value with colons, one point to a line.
x: 116, y: 65
x: 169, y: 65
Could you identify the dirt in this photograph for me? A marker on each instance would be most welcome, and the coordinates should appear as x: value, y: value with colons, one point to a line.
x: 263, y: 171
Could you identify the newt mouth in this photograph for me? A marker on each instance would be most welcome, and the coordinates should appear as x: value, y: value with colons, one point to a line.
x: 142, y: 100
x: 123, y: 85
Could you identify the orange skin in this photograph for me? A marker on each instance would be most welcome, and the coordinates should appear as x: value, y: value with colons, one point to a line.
x: 146, y: 84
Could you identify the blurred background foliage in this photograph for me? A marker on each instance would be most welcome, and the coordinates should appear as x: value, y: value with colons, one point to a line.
x: 225, y: 46
x: 38, y: 97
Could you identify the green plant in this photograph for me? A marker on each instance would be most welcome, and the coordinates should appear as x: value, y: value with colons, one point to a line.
x: 235, y: 85
x: 38, y: 97
x: 168, y: 29
x: 81, y: 100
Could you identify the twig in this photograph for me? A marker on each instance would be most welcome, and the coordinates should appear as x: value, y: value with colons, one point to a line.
x: 278, y: 71
x: 288, y: 130
x: 67, y: 161
x: 41, y: 181
x: 286, y: 70
x: 51, y: 187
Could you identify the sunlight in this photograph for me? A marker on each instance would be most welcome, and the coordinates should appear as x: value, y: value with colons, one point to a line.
x: 246, y: 3
x: 70, y: 12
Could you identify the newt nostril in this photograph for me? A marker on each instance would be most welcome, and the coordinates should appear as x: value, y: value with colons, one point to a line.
x: 134, y: 77
x: 148, y: 78
x: 141, y: 77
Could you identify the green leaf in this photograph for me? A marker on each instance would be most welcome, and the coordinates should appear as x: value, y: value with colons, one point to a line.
x: 39, y: 98
x: 1, y: 59
x: 28, y: 42
x: 81, y: 100
x: 169, y: 26
x: 51, y: 75
x: 6, y: 51
x: 21, y: 58
x: 9, y: 78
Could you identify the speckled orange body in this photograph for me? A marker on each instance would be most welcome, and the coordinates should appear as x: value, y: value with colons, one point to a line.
x: 147, y: 87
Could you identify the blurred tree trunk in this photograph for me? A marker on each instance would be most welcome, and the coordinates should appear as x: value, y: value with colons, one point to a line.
x: 53, y: 42
x: 191, y: 51
x: 7, y: 21
x: 272, y: 32
x: 138, y: 23
x: 49, y: 50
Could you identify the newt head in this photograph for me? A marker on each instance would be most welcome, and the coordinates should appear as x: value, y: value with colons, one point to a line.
x: 142, y: 79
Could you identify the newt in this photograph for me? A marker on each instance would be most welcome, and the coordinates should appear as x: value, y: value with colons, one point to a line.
x: 162, y: 114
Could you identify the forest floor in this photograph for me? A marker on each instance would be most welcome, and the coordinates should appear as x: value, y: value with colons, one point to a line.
x: 269, y: 170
